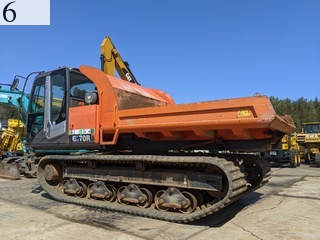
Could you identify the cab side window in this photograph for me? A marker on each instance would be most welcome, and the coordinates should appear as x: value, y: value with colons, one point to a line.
x: 79, y: 86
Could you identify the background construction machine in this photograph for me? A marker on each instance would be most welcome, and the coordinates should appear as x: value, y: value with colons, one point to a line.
x: 13, y: 103
x: 286, y: 152
x: 309, y: 141
x: 11, y: 138
x: 141, y: 149
x: 112, y: 62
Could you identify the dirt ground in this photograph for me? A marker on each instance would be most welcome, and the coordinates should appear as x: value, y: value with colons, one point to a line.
x: 288, y: 207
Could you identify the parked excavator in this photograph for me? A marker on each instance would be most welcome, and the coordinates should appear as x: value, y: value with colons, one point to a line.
x: 12, y: 133
x: 13, y: 97
x: 112, y: 62
x: 144, y: 154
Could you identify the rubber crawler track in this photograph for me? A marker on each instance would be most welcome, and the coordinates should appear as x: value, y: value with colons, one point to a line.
x: 238, y: 185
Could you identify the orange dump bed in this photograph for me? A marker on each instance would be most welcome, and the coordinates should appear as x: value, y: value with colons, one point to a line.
x: 241, y: 118
x: 128, y: 108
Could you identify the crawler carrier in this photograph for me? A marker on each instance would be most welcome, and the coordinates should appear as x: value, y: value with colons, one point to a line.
x: 131, y: 149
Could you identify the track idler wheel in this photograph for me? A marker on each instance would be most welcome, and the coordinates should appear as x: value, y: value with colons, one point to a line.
x: 74, y: 188
x: 172, y: 198
x: 52, y: 172
x: 99, y: 190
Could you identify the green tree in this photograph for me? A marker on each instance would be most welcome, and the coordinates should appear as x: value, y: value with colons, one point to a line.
x: 301, y: 110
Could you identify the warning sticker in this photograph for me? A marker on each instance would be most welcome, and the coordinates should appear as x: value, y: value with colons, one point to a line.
x: 244, y: 113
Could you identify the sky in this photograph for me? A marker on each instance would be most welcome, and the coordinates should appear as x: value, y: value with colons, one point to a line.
x: 194, y: 50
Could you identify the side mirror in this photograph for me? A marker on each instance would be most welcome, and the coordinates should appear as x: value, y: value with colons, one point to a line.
x: 14, y: 84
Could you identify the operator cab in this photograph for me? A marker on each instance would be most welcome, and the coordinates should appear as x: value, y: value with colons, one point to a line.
x: 312, y: 128
x: 52, y: 95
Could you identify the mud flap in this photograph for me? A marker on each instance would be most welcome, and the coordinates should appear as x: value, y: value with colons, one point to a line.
x: 9, y: 169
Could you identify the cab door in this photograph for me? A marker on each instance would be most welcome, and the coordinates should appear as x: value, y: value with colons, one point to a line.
x: 55, y: 121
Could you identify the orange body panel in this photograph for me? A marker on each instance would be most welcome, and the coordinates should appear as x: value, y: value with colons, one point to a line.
x: 84, y: 117
x: 152, y: 114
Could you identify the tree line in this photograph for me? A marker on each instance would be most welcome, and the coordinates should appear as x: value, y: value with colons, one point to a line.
x: 301, y: 110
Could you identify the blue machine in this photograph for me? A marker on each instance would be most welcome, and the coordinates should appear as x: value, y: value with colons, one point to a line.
x: 14, y: 98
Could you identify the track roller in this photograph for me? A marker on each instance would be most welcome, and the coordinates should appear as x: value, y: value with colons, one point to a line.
x: 72, y: 187
x: 132, y: 194
x: 172, y: 198
x: 98, y: 190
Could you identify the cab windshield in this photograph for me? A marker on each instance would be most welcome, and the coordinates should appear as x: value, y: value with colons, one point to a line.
x: 312, y: 128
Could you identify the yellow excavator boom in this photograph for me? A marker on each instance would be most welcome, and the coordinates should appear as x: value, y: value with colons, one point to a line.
x: 111, y: 60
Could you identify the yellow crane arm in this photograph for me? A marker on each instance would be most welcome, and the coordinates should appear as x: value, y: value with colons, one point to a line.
x: 111, y: 61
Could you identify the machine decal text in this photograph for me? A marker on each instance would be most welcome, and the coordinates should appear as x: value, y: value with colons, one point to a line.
x: 81, y: 138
